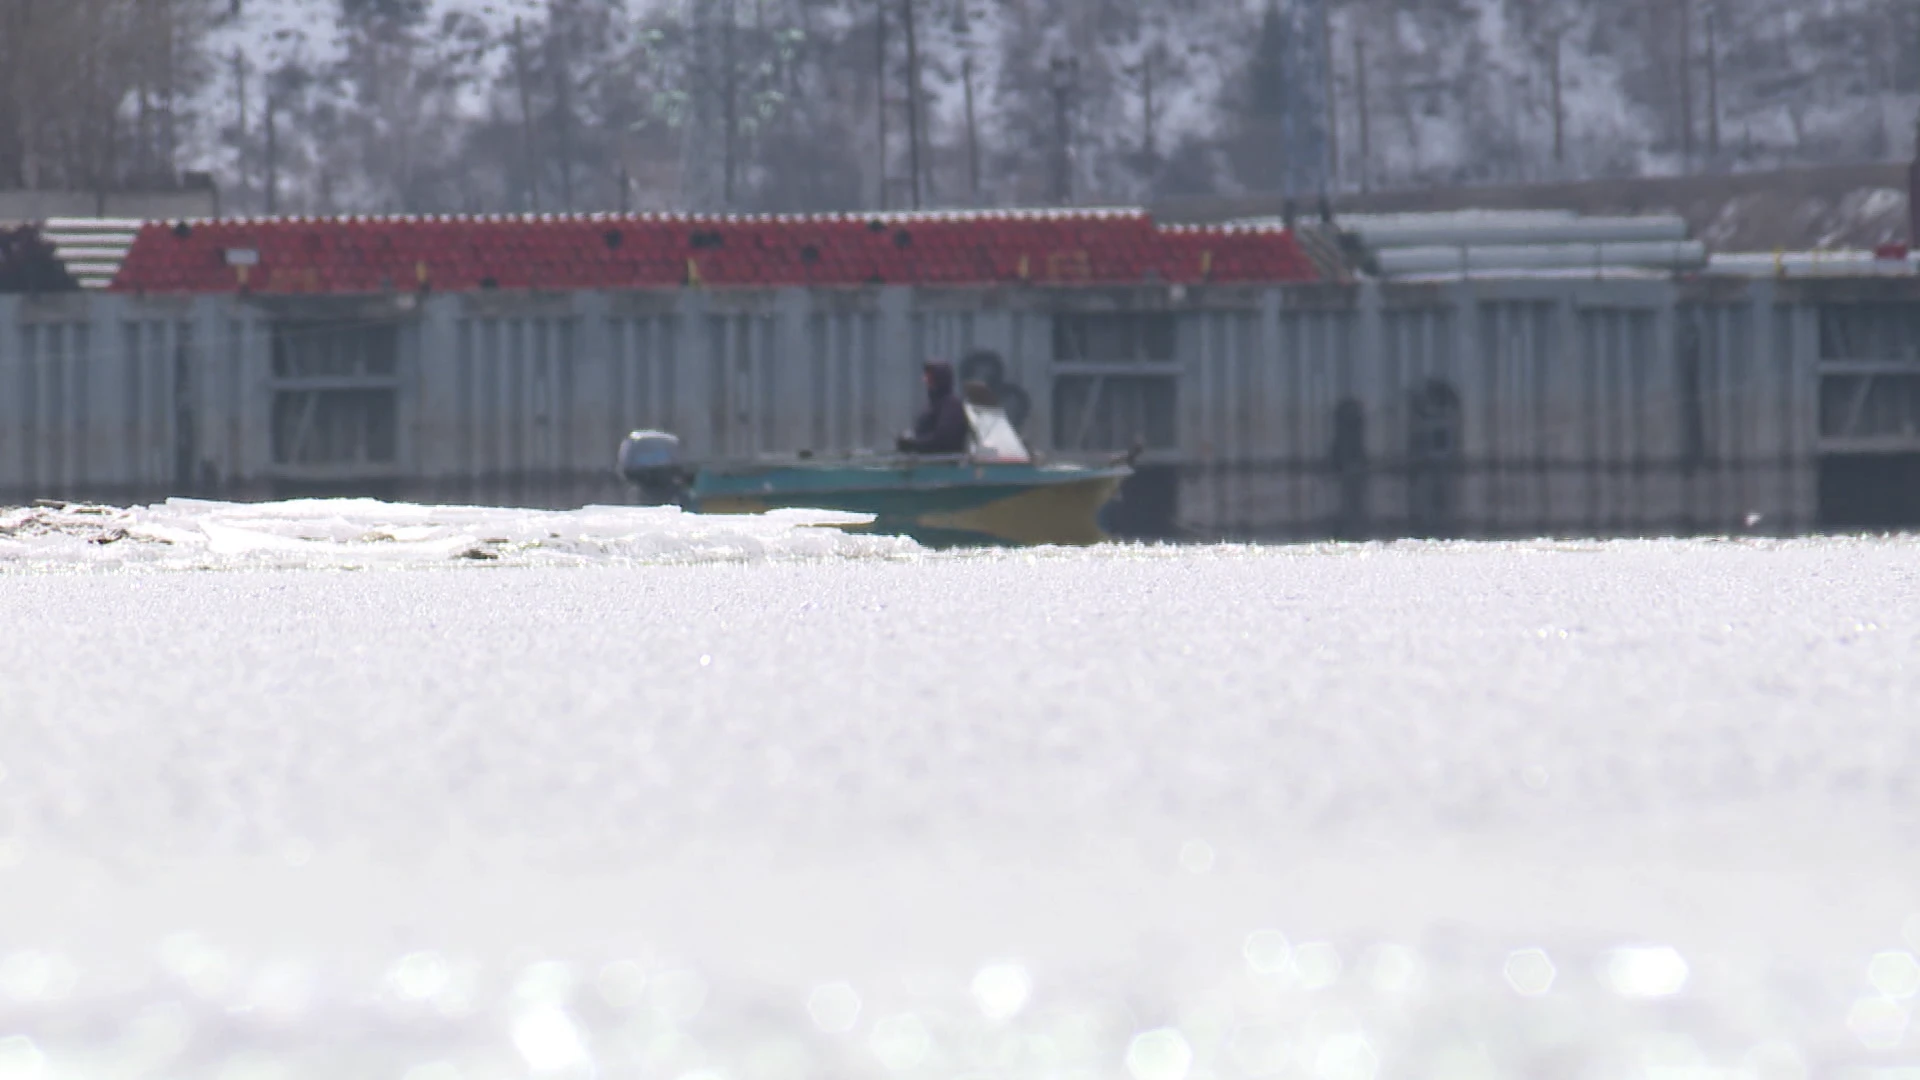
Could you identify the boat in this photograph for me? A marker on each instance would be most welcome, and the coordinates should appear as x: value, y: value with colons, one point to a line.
x: 997, y: 494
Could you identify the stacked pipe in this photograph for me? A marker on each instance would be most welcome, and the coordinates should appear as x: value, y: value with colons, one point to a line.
x: 1494, y: 243
x: 1530, y: 242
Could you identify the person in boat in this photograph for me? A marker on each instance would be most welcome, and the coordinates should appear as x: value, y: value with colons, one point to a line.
x: 942, y: 427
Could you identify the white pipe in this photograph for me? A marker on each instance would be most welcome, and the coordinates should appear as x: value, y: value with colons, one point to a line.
x: 1604, y: 273
x: 1812, y: 264
x: 1497, y: 232
x: 1458, y: 217
x: 1680, y: 255
x: 1454, y: 219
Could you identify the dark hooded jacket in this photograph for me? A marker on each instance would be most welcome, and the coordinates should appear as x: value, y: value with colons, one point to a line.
x: 942, y: 428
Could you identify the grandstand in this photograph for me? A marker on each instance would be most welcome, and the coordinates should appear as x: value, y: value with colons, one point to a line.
x: 366, y: 255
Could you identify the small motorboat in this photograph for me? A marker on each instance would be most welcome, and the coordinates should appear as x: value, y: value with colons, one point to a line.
x: 996, y: 494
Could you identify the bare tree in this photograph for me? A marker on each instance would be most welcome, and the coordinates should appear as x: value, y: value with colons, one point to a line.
x: 93, y: 92
x: 415, y: 106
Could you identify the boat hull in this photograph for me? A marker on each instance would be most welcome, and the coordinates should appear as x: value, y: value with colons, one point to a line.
x: 937, y: 504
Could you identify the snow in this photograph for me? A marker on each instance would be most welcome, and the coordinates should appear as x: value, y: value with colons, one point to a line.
x: 1344, y: 812
x: 308, y: 32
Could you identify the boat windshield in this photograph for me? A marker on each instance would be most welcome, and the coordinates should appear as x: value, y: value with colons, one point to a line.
x: 994, y: 437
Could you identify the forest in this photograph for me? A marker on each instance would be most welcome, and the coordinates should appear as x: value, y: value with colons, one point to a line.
x: 431, y: 106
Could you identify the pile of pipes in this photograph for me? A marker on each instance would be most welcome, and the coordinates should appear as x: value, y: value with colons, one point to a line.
x: 1451, y: 246
x: 1518, y: 243
x: 1523, y: 243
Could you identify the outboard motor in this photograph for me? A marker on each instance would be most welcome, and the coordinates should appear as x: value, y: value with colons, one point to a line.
x: 650, y: 461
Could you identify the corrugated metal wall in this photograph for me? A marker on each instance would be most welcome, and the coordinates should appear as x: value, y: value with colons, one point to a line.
x: 1489, y: 409
x: 513, y: 401
x: 106, y: 395
x: 1469, y: 408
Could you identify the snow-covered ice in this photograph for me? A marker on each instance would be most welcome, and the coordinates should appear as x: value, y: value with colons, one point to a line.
x: 188, y: 534
x: 1469, y: 811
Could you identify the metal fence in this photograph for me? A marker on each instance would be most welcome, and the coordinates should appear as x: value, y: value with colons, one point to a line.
x: 1464, y: 408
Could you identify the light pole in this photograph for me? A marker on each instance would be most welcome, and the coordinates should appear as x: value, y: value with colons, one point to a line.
x: 1065, y: 72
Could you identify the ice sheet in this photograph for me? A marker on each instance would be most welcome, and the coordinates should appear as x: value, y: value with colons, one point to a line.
x: 185, y: 534
x: 1328, y: 813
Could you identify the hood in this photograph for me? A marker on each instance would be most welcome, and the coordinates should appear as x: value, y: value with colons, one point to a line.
x: 939, y: 379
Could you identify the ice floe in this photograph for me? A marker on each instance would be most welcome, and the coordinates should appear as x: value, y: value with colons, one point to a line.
x: 368, y: 534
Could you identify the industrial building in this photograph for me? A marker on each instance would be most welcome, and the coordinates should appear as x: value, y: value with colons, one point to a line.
x: 1467, y: 377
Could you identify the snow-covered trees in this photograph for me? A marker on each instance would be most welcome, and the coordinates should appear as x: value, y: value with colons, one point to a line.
x: 514, y: 105
x: 98, y: 94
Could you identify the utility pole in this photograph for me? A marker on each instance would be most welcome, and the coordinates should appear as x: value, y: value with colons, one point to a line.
x: 144, y: 141
x: 526, y: 118
x: 1066, y: 74
x: 563, y: 101
x: 1686, y: 85
x: 973, y: 132
x: 1559, y: 108
x: 1330, y: 89
x: 706, y: 137
x: 1360, y: 101
x: 730, y: 102
x: 1713, y: 83
x: 170, y: 132
x: 1149, y: 138
x: 1310, y: 163
x: 880, y: 89
x: 913, y: 102
x: 273, y: 154
x: 20, y: 81
x: 240, y: 91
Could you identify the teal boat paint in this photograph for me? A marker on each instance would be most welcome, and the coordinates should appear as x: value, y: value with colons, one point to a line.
x: 996, y: 494
x: 938, y: 502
